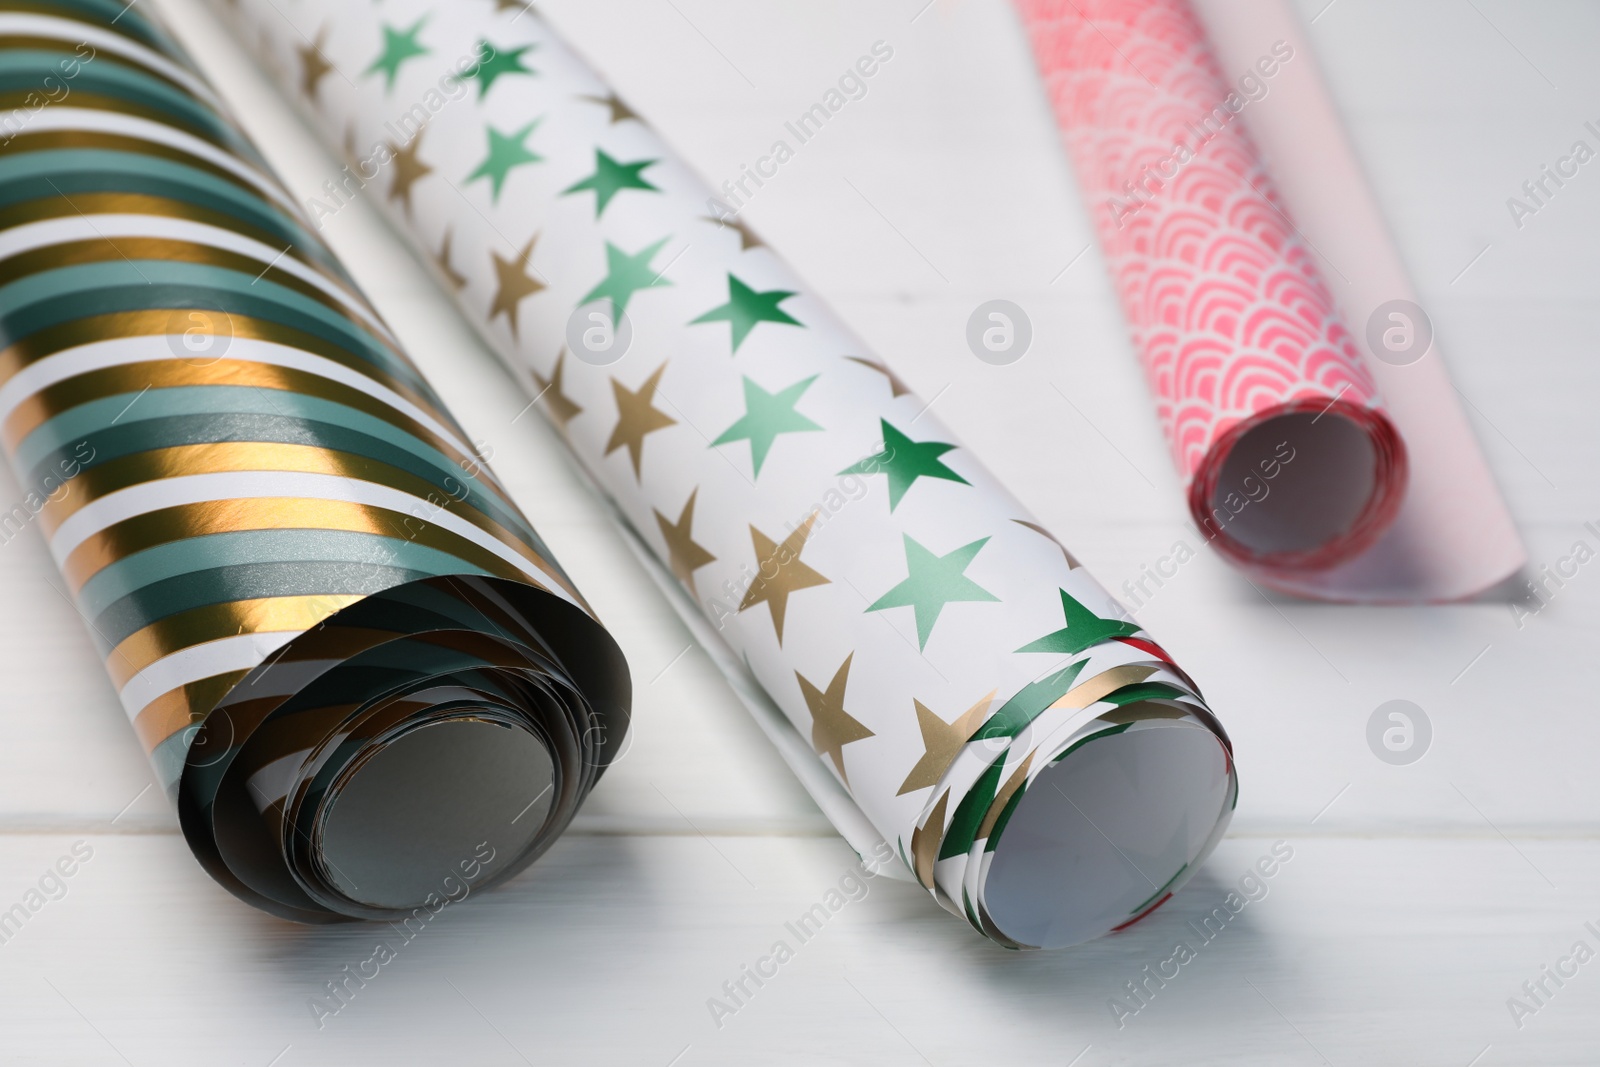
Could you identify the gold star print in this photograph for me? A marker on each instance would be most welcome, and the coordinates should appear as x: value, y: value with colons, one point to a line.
x: 925, y: 843
x: 685, y: 556
x: 941, y: 741
x: 313, y: 64
x: 1093, y: 690
x: 832, y: 727
x: 408, y: 169
x: 1072, y: 564
x: 789, y: 575
x: 747, y: 236
x: 456, y: 279
x: 637, y: 416
x: 514, y: 283
x: 1003, y: 796
x: 897, y: 388
x: 620, y: 112
x: 562, y: 408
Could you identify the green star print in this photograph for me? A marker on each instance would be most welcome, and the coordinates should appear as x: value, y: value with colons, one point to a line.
x: 932, y: 582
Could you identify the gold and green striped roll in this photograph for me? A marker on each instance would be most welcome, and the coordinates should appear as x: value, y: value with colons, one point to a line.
x: 361, y: 677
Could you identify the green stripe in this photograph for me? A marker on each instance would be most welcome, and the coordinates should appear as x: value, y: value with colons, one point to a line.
x: 212, y: 179
x: 62, y: 435
x: 244, y: 581
x: 43, y: 174
x: 66, y: 436
x: 1028, y: 704
x: 176, y: 558
x: 117, y: 16
x: 112, y: 76
x: 147, y: 435
x: 72, y: 425
x: 1070, y: 749
x: 67, y: 294
x: 968, y: 817
x: 1148, y: 691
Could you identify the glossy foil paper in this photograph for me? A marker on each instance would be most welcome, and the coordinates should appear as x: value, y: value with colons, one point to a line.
x: 360, y: 675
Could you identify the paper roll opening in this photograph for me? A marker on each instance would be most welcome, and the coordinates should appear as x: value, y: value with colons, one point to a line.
x: 437, y: 733
x: 415, y: 817
x: 1303, y: 486
x: 1107, y: 833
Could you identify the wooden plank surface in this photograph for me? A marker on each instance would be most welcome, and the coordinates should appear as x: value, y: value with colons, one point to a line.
x: 1419, y: 898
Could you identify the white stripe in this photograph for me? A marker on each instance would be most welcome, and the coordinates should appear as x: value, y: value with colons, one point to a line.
x: 240, y: 652
x: 60, y: 117
x: 126, y: 351
x: 73, y: 32
x: 48, y: 232
x: 146, y: 497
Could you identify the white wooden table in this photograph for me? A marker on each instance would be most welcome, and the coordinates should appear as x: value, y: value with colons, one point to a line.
x: 1419, y: 898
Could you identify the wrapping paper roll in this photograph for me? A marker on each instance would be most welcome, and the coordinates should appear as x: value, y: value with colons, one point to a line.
x: 1293, y: 463
x: 362, y: 679
x: 1454, y: 535
x: 1287, y: 456
x: 1041, y: 766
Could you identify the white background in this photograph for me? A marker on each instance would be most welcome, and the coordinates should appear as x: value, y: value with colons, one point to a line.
x: 1419, y: 898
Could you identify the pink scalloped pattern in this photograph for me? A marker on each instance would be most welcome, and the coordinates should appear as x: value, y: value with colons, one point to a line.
x: 1228, y: 308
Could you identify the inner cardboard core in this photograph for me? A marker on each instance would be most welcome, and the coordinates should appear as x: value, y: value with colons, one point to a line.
x: 1312, y: 499
x: 1103, y: 834
x: 417, y: 811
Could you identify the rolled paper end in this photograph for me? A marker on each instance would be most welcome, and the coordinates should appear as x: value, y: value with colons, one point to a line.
x: 1108, y: 831
x: 1300, y: 487
x: 426, y: 742
x: 430, y: 813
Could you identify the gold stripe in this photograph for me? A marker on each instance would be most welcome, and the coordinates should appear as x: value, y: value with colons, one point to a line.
x: 182, y: 707
x: 121, y: 325
x: 230, y: 456
x: 1003, y: 797
x: 45, y: 140
x: 46, y: 43
x: 43, y: 42
x: 172, y: 249
x: 178, y: 461
x: 121, y: 105
x: 124, y: 378
x: 1144, y: 711
x: 183, y: 521
x: 244, y: 456
x: 1093, y: 689
x: 197, y: 626
x: 925, y: 842
x: 188, y: 704
x: 52, y: 207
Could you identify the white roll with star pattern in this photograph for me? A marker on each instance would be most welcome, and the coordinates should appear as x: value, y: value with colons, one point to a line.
x: 1025, y: 750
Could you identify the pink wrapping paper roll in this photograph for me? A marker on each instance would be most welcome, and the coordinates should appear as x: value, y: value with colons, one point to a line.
x: 1290, y: 461
x: 1454, y: 535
